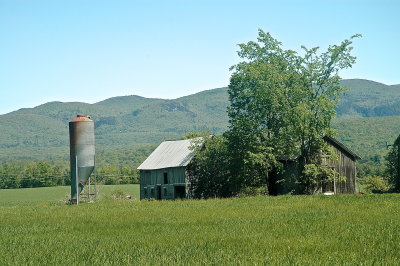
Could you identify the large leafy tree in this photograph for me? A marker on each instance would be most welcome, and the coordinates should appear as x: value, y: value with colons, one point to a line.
x: 260, y: 101
x: 393, y: 166
x: 208, y: 172
x: 319, y: 93
x: 282, y: 104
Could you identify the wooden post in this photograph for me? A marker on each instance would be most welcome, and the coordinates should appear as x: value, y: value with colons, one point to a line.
x: 334, y: 183
x: 95, y: 187
x: 94, y: 179
x: 89, y: 189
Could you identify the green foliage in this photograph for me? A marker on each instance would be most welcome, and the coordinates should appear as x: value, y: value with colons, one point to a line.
x: 368, y: 168
x: 393, y: 165
x: 281, y: 104
x: 258, y: 164
x: 118, y: 167
x: 17, y: 174
x: 119, y: 194
x: 113, y: 175
x: 368, y: 136
x: 374, y: 184
x: 192, y: 135
x: 253, y: 191
x: 41, y: 133
x: 208, y: 172
x: 319, y: 93
x: 315, y: 176
x: 368, y: 99
x: 128, y: 122
x: 239, y: 231
x: 20, y: 174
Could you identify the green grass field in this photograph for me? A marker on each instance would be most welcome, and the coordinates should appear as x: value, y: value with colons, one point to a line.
x: 343, y: 229
x: 56, y: 195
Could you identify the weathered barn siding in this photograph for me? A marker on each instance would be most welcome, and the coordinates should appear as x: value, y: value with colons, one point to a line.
x: 164, y: 183
x: 284, y: 182
x: 345, y: 166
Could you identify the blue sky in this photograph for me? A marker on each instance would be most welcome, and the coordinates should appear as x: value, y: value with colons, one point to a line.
x: 90, y: 50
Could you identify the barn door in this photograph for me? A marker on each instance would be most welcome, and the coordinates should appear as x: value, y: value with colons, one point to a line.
x: 180, y: 192
x: 158, y: 192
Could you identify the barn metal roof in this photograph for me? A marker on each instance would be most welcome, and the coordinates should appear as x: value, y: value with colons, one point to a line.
x: 171, y: 153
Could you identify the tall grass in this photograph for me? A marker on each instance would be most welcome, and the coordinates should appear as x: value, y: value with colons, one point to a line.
x: 343, y: 229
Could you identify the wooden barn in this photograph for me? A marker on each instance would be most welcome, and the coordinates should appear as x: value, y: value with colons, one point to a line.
x: 345, y: 166
x: 163, y: 173
x: 284, y: 182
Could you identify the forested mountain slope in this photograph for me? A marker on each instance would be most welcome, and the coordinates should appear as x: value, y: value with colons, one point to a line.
x: 121, y: 123
x: 369, y: 99
x: 128, y: 122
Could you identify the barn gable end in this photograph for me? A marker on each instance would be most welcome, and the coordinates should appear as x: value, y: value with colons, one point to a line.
x: 284, y: 182
x: 163, y: 173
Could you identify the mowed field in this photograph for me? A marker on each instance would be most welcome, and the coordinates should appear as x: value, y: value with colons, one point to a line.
x: 341, y: 229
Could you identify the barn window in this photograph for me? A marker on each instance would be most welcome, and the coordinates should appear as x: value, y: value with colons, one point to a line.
x: 165, y: 178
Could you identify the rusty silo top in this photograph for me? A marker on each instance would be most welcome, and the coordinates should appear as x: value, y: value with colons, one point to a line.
x: 82, y: 118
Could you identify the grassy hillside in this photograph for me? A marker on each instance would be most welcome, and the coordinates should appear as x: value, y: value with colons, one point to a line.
x: 126, y: 123
x: 305, y: 230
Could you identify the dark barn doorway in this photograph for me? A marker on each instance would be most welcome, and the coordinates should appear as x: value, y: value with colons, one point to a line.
x: 180, y: 192
x: 158, y: 192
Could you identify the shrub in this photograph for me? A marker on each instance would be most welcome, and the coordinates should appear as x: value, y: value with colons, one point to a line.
x: 253, y: 191
x: 119, y: 194
x: 314, y: 176
x: 375, y: 184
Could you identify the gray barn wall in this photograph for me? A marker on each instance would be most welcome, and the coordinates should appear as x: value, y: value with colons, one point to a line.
x: 346, y: 167
x: 152, y: 180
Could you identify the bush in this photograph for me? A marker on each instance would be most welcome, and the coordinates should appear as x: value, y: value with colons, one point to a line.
x: 253, y: 191
x: 375, y: 184
x: 119, y: 194
x: 315, y: 176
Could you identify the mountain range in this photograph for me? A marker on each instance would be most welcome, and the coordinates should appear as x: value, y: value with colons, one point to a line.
x: 131, y: 122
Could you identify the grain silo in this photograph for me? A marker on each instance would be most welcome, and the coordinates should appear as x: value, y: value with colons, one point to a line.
x: 82, y: 154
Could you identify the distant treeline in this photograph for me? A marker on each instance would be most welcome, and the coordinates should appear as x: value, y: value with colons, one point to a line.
x: 17, y: 174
